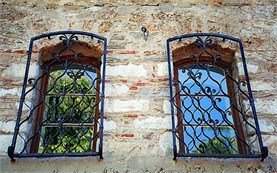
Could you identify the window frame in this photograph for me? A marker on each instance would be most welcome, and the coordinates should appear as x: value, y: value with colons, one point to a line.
x: 65, y: 37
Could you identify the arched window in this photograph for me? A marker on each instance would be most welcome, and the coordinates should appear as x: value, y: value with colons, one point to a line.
x: 68, y: 109
x: 65, y: 114
x: 210, y: 115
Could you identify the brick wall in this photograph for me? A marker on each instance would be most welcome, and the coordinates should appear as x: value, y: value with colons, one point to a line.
x: 137, y: 135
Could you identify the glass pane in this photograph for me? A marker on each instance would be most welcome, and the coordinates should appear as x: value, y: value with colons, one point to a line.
x: 207, y: 114
x: 70, y: 104
x: 202, y: 110
x: 66, y: 139
x: 198, y: 80
x: 221, y: 140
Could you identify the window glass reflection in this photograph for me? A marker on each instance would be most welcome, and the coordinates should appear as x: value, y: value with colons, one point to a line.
x: 206, y: 110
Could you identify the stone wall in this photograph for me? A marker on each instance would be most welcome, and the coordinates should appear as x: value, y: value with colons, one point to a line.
x: 137, y: 135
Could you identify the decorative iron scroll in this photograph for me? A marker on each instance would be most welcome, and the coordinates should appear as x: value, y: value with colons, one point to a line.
x: 212, y: 105
x: 62, y: 102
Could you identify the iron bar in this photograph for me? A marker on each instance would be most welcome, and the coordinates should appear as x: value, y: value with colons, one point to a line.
x: 220, y: 155
x: 57, y: 154
x: 22, y: 98
x: 251, y: 101
x: 65, y: 103
x: 67, y: 125
x: 101, y: 127
x: 208, y: 129
x: 70, y: 95
x: 171, y: 101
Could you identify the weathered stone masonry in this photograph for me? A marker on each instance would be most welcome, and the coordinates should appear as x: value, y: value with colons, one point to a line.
x: 137, y: 114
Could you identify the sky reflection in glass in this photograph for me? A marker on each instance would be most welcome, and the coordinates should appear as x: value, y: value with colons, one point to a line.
x: 206, y: 108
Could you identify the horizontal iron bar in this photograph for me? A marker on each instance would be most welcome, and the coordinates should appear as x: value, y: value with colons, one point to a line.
x: 70, y: 94
x: 205, y: 125
x: 220, y: 155
x: 219, y: 95
x: 203, y: 34
x: 68, y: 32
x: 57, y: 154
x: 67, y: 125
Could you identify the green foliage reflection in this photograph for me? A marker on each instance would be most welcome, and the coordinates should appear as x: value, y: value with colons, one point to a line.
x: 218, y: 145
x: 68, y: 117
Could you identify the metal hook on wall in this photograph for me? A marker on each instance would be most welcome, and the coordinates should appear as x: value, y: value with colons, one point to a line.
x: 145, y: 33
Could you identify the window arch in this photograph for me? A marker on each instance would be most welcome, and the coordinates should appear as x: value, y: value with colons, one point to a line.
x: 65, y: 112
x: 209, y: 114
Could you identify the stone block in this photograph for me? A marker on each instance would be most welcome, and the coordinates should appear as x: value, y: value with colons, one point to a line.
x: 250, y: 67
x: 262, y: 86
x: 162, y: 69
x: 115, y: 90
x: 271, y: 142
x: 109, y: 125
x: 18, y: 71
x: 136, y: 105
x: 127, y: 71
x: 166, y: 107
x: 266, y: 126
x: 12, y: 91
x: 153, y: 123
x: 266, y: 106
x: 6, y: 141
x: 165, y: 143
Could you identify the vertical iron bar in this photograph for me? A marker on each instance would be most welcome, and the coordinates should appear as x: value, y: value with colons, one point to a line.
x: 251, y: 98
x: 171, y: 101
x: 102, y: 101
x: 22, y: 98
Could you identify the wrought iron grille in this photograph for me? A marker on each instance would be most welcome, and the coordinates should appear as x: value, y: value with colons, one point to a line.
x: 212, y: 105
x: 62, y: 102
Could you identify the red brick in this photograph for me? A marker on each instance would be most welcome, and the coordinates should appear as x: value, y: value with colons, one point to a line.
x: 133, y: 88
x: 266, y: 80
x: 141, y: 84
x: 121, y: 51
x: 130, y: 116
x: 159, y: 80
x: 8, y: 80
x: 125, y: 135
x: 127, y: 52
x: 272, y: 68
x: 123, y: 80
x: 18, y: 51
x: 110, y: 52
x: 151, y: 28
x: 163, y: 79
